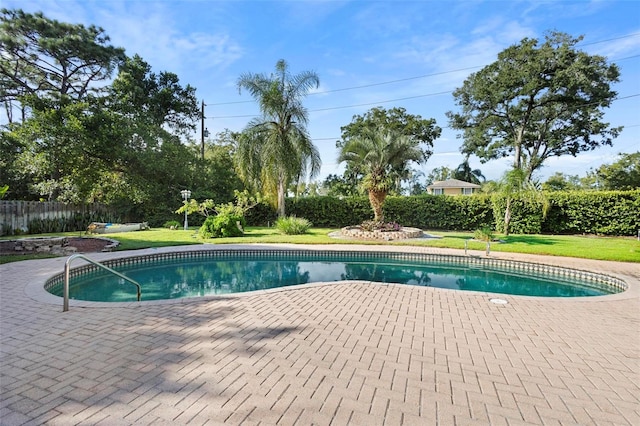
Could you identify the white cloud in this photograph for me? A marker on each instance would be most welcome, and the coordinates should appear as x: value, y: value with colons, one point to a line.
x: 158, y: 40
x: 616, y: 48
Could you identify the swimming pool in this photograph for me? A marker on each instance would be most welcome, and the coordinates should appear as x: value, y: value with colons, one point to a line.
x: 176, y: 275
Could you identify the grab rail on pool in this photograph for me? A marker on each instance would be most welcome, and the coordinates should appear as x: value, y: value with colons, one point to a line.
x: 466, y: 246
x: 67, y: 268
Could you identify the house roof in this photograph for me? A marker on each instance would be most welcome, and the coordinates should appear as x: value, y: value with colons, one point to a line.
x: 452, y: 183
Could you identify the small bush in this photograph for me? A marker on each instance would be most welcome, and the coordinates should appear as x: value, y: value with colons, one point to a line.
x: 223, y: 225
x: 171, y: 224
x: 292, y: 225
x: 483, y: 234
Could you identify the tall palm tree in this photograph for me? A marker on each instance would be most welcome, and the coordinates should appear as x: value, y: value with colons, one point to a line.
x: 276, y: 149
x: 377, y: 153
x: 465, y: 173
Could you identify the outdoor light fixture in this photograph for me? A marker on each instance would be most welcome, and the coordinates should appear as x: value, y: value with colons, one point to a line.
x: 186, y: 194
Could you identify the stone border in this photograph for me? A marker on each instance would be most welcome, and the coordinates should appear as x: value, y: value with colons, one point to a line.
x: 113, y: 244
x: 52, y: 245
x: 403, y: 234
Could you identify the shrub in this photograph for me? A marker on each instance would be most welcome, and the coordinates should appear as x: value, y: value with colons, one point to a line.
x: 483, y: 234
x: 223, y: 225
x: 292, y: 225
x: 171, y: 224
x: 75, y: 222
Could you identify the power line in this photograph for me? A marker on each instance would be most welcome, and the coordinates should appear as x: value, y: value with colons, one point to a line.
x: 364, y: 86
x: 610, y: 39
x: 626, y: 126
x: 385, y: 101
x: 382, y: 102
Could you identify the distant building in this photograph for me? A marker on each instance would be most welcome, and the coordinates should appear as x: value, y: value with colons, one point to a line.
x: 453, y: 187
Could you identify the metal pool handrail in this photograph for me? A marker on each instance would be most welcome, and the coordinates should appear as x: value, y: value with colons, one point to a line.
x: 466, y: 246
x: 67, y: 268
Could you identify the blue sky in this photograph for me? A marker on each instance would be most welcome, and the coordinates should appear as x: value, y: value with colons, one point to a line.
x: 409, y: 54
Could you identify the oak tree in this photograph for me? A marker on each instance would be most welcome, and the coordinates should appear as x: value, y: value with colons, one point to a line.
x: 538, y: 100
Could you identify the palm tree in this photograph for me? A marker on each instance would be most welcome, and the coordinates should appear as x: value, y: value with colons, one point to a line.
x: 465, y: 173
x: 276, y: 149
x: 377, y: 153
x: 514, y: 184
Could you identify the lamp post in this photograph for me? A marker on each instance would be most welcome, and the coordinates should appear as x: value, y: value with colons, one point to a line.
x: 185, y: 196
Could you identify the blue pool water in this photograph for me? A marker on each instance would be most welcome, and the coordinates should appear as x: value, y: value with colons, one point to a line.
x: 234, y: 273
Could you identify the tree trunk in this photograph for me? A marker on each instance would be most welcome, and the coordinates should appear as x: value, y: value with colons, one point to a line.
x: 517, y: 161
x: 281, y: 194
x: 376, y: 198
x: 507, y: 216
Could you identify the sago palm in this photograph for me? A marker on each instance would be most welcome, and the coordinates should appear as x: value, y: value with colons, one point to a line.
x: 276, y: 148
x: 377, y: 153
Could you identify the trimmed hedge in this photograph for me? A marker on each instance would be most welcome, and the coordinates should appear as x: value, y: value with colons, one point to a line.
x: 330, y: 212
x: 460, y: 213
x: 594, y: 212
x: 263, y: 214
x: 580, y: 212
x: 526, y: 217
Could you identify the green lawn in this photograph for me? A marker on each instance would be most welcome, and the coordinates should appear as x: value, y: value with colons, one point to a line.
x: 624, y: 249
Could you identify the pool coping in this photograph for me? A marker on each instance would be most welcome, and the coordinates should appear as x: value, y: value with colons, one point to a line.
x: 624, y: 271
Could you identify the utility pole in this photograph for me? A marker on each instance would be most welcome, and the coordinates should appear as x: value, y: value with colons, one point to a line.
x: 202, y: 132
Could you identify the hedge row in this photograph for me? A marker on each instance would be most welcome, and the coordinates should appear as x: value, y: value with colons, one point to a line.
x: 440, y: 212
x: 605, y: 213
x: 602, y: 212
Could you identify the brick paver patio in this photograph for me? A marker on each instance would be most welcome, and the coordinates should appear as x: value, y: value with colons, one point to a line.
x: 349, y: 353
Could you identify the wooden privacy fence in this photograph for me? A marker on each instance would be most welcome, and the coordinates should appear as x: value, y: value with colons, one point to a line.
x: 16, y: 215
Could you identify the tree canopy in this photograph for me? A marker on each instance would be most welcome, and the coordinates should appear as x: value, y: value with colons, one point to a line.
x: 562, y: 182
x: 377, y: 153
x: 419, y: 132
x: 439, y: 174
x: 538, y: 100
x: 50, y: 59
x: 465, y: 173
x: 159, y: 99
x: 87, y: 135
x: 623, y: 174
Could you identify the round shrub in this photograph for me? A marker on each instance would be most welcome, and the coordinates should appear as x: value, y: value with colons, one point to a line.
x: 292, y: 225
x: 223, y: 225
